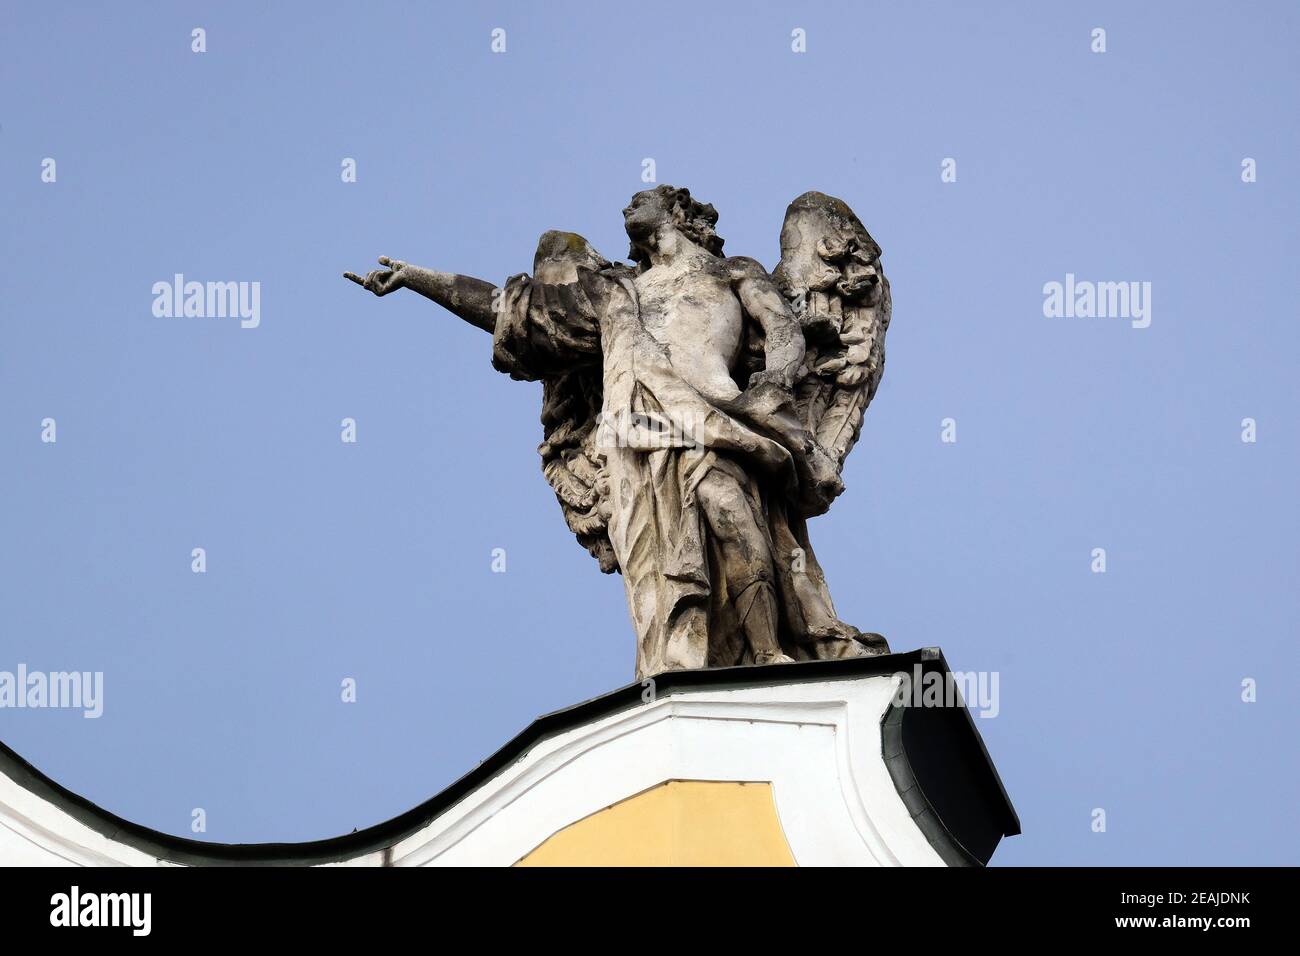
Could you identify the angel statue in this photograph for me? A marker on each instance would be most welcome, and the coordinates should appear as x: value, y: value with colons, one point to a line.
x: 696, y: 411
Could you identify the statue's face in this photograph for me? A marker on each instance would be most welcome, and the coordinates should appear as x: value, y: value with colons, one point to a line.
x: 644, y: 215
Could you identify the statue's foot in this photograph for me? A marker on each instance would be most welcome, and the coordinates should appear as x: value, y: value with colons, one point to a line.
x: 833, y: 640
x: 873, y: 642
x: 772, y: 657
x: 845, y: 646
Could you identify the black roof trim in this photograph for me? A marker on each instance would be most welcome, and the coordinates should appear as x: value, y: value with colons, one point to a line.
x: 958, y: 727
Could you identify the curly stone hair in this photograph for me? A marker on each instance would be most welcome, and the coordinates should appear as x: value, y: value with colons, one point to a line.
x: 695, y: 219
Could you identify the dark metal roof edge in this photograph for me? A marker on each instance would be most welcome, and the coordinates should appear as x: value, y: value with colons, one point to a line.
x: 1013, y: 822
x: 181, y: 850
x: 927, y: 820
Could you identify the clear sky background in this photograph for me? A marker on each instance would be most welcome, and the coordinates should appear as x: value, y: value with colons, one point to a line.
x: 372, y: 561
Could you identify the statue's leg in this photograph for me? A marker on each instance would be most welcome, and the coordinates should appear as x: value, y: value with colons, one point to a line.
x: 810, y: 616
x: 757, y: 609
x: 747, y: 562
x: 667, y: 586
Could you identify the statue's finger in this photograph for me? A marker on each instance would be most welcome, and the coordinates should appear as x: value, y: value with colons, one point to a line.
x: 385, y: 261
x: 354, y: 277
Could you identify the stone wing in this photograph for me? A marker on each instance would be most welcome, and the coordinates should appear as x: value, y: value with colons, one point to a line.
x: 571, y: 460
x: 830, y: 273
x: 548, y: 328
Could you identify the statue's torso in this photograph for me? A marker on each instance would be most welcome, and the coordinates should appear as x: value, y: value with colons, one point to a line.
x: 689, y: 306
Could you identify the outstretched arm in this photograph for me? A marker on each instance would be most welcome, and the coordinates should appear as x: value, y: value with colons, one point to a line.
x: 764, y: 303
x: 465, y: 296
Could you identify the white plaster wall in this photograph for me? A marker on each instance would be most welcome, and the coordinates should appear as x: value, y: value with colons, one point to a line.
x: 818, y: 744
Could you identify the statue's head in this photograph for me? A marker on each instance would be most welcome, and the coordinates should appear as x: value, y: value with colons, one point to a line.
x: 652, y: 209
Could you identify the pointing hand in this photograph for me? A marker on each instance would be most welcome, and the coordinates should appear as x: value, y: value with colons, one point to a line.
x: 381, y: 281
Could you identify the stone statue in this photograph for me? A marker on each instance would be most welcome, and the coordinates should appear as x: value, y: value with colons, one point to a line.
x: 696, y: 410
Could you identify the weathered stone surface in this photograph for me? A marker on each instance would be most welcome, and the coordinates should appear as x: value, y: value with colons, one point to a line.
x: 696, y: 411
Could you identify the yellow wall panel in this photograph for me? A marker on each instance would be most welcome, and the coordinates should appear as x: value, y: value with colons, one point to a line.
x: 678, y: 823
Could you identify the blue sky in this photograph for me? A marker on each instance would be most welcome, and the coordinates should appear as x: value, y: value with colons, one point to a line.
x: 372, y: 561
